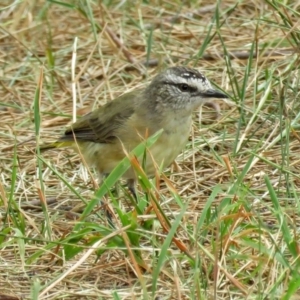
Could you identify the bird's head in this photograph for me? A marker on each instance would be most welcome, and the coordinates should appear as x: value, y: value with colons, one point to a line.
x: 181, y: 88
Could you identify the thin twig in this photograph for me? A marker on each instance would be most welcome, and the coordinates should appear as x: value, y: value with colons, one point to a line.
x: 271, y: 54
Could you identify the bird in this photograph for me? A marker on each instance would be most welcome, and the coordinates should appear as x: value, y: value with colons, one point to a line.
x: 166, y: 104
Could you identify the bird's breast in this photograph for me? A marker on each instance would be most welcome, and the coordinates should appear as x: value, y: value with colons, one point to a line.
x: 170, y: 143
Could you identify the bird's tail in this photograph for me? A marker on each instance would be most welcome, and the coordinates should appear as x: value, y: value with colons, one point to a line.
x: 55, y: 145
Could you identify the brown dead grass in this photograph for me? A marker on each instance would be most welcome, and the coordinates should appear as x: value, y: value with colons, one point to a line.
x: 31, y: 30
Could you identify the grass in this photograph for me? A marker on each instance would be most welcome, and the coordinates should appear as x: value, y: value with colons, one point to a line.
x: 222, y: 223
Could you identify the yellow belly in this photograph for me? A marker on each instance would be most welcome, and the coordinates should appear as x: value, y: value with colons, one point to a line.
x: 165, y: 151
x: 105, y: 157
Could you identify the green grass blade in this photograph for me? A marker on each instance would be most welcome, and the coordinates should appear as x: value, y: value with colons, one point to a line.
x: 163, y: 255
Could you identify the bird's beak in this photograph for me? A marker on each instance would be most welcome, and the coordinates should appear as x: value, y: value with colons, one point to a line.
x: 211, y: 93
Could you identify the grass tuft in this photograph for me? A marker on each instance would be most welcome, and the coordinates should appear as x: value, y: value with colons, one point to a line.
x: 221, y: 223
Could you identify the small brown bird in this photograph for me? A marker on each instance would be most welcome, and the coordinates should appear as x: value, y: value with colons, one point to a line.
x: 166, y: 103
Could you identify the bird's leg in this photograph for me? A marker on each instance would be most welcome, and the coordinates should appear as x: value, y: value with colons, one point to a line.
x: 131, y: 187
x: 103, y: 203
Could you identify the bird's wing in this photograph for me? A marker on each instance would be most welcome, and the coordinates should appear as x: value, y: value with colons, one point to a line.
x: 102, y: 124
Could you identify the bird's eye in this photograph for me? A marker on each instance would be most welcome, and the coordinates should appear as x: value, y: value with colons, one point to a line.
x: 184, y: 87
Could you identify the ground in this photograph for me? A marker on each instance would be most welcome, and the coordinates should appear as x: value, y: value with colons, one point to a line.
x: 222, y: 222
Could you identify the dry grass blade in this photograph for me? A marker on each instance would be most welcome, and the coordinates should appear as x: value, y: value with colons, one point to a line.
x: 234, y: 191
x: 80, y: 261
